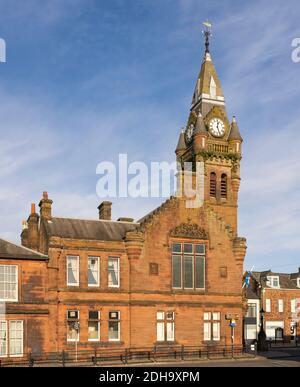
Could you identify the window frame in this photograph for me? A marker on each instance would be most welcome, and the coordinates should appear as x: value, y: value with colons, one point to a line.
x: 268, y: 303
x: 118, y: 320
x: 165, y: 322
x: 78, y: 270
x: 182, y: 258
x: 16, y: 299
x: 9, y: 338
x: 280, y: 306
x: 271, y: 280
x: 210, y: 321
x: 98, y: 269
x: 6, y: 338
x: 73, y: 321
x: 108, y: 272
x: 99, y: 326
x: 293, y: 306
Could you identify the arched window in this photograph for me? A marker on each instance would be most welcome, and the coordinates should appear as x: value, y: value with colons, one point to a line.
x: 213, y: 184
x: 224, y: 186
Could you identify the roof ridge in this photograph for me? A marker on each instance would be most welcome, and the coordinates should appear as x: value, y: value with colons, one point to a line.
x: 90, y: 220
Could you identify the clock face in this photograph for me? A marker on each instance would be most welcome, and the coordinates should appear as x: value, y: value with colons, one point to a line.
x: 189, y: 133
x: 217, y: 127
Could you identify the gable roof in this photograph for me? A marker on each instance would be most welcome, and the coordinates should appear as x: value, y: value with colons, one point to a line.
x: 10, y: 250
x: 102, y: 230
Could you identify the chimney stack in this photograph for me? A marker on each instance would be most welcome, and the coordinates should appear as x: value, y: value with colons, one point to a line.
x: 45, y: 207
x: 105, y: 211
x: 30, y: 235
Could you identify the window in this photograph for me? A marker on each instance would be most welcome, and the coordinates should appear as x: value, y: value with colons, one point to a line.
x: 224, y: 186
x: 280, y: 306
x: 72, y: 271
x: 165, y: 326
x: 113, y: 272
x: 293, y: 306
x: 268, y: 305
x: 93, y: 271
x: 273, y: 282
x: 73, y: 325
x: 3, y: 338
x: 94, y: 326
x: 16, y: 338
x: 252, y: 311
x: 212, y: 326
x: 298, y: 282
x: 8, y: 283
x: 114, y: 326
x: 213, y: 184
x: 188, y: 266
x: 11, y: 338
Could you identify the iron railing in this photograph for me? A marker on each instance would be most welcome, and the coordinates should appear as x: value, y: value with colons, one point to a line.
x: 125, y: 356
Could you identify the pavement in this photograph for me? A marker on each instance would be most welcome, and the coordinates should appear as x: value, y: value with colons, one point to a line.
x: 286, y: 357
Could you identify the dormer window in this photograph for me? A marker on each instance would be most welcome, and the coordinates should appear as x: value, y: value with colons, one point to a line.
x: 273, y: 282
x: 213, y: 88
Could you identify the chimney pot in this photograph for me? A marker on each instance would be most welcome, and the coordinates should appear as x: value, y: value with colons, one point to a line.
x: 46, y: 206
x: 33, y: 210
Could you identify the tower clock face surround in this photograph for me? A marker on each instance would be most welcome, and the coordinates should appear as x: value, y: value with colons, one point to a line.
x: 217, y: 127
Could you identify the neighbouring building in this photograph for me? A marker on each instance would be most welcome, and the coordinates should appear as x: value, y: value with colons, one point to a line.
x: 171, y: 278
x: 279, y: 296
x: 252, y: 316
x: 24, y: 310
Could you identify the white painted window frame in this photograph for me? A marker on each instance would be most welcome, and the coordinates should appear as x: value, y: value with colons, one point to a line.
x: 16, y: 299
x: 99, y: 271
x: 6, y: 340
x: 9, y: 338
x: 78, y: 270
x: 119, y: 327
x: 78, y: 334
x: 118, y: 272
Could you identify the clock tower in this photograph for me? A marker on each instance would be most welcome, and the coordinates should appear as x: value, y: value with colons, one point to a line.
x: 214, y: 139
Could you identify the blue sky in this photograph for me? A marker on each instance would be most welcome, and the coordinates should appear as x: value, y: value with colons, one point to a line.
x: 86, y: 80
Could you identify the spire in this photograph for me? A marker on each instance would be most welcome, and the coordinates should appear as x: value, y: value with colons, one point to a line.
x: 208, y: 90
x: 235, y: 134
x: 181, y: 143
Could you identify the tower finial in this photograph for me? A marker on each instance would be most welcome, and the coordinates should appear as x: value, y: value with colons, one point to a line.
x: 207, y: 34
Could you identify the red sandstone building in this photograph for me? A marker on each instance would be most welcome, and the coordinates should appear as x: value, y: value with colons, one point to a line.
x: 279, y: 296
x: 169, y: 278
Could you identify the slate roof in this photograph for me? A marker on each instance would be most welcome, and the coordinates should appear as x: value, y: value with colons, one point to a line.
x: 251, y: 295
x: 10, y: 250
x: 286, y: 281
x: 89, y: 229
x: 235, y: 132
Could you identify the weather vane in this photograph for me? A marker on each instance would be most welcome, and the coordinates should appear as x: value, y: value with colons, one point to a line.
x: 207, y: 34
